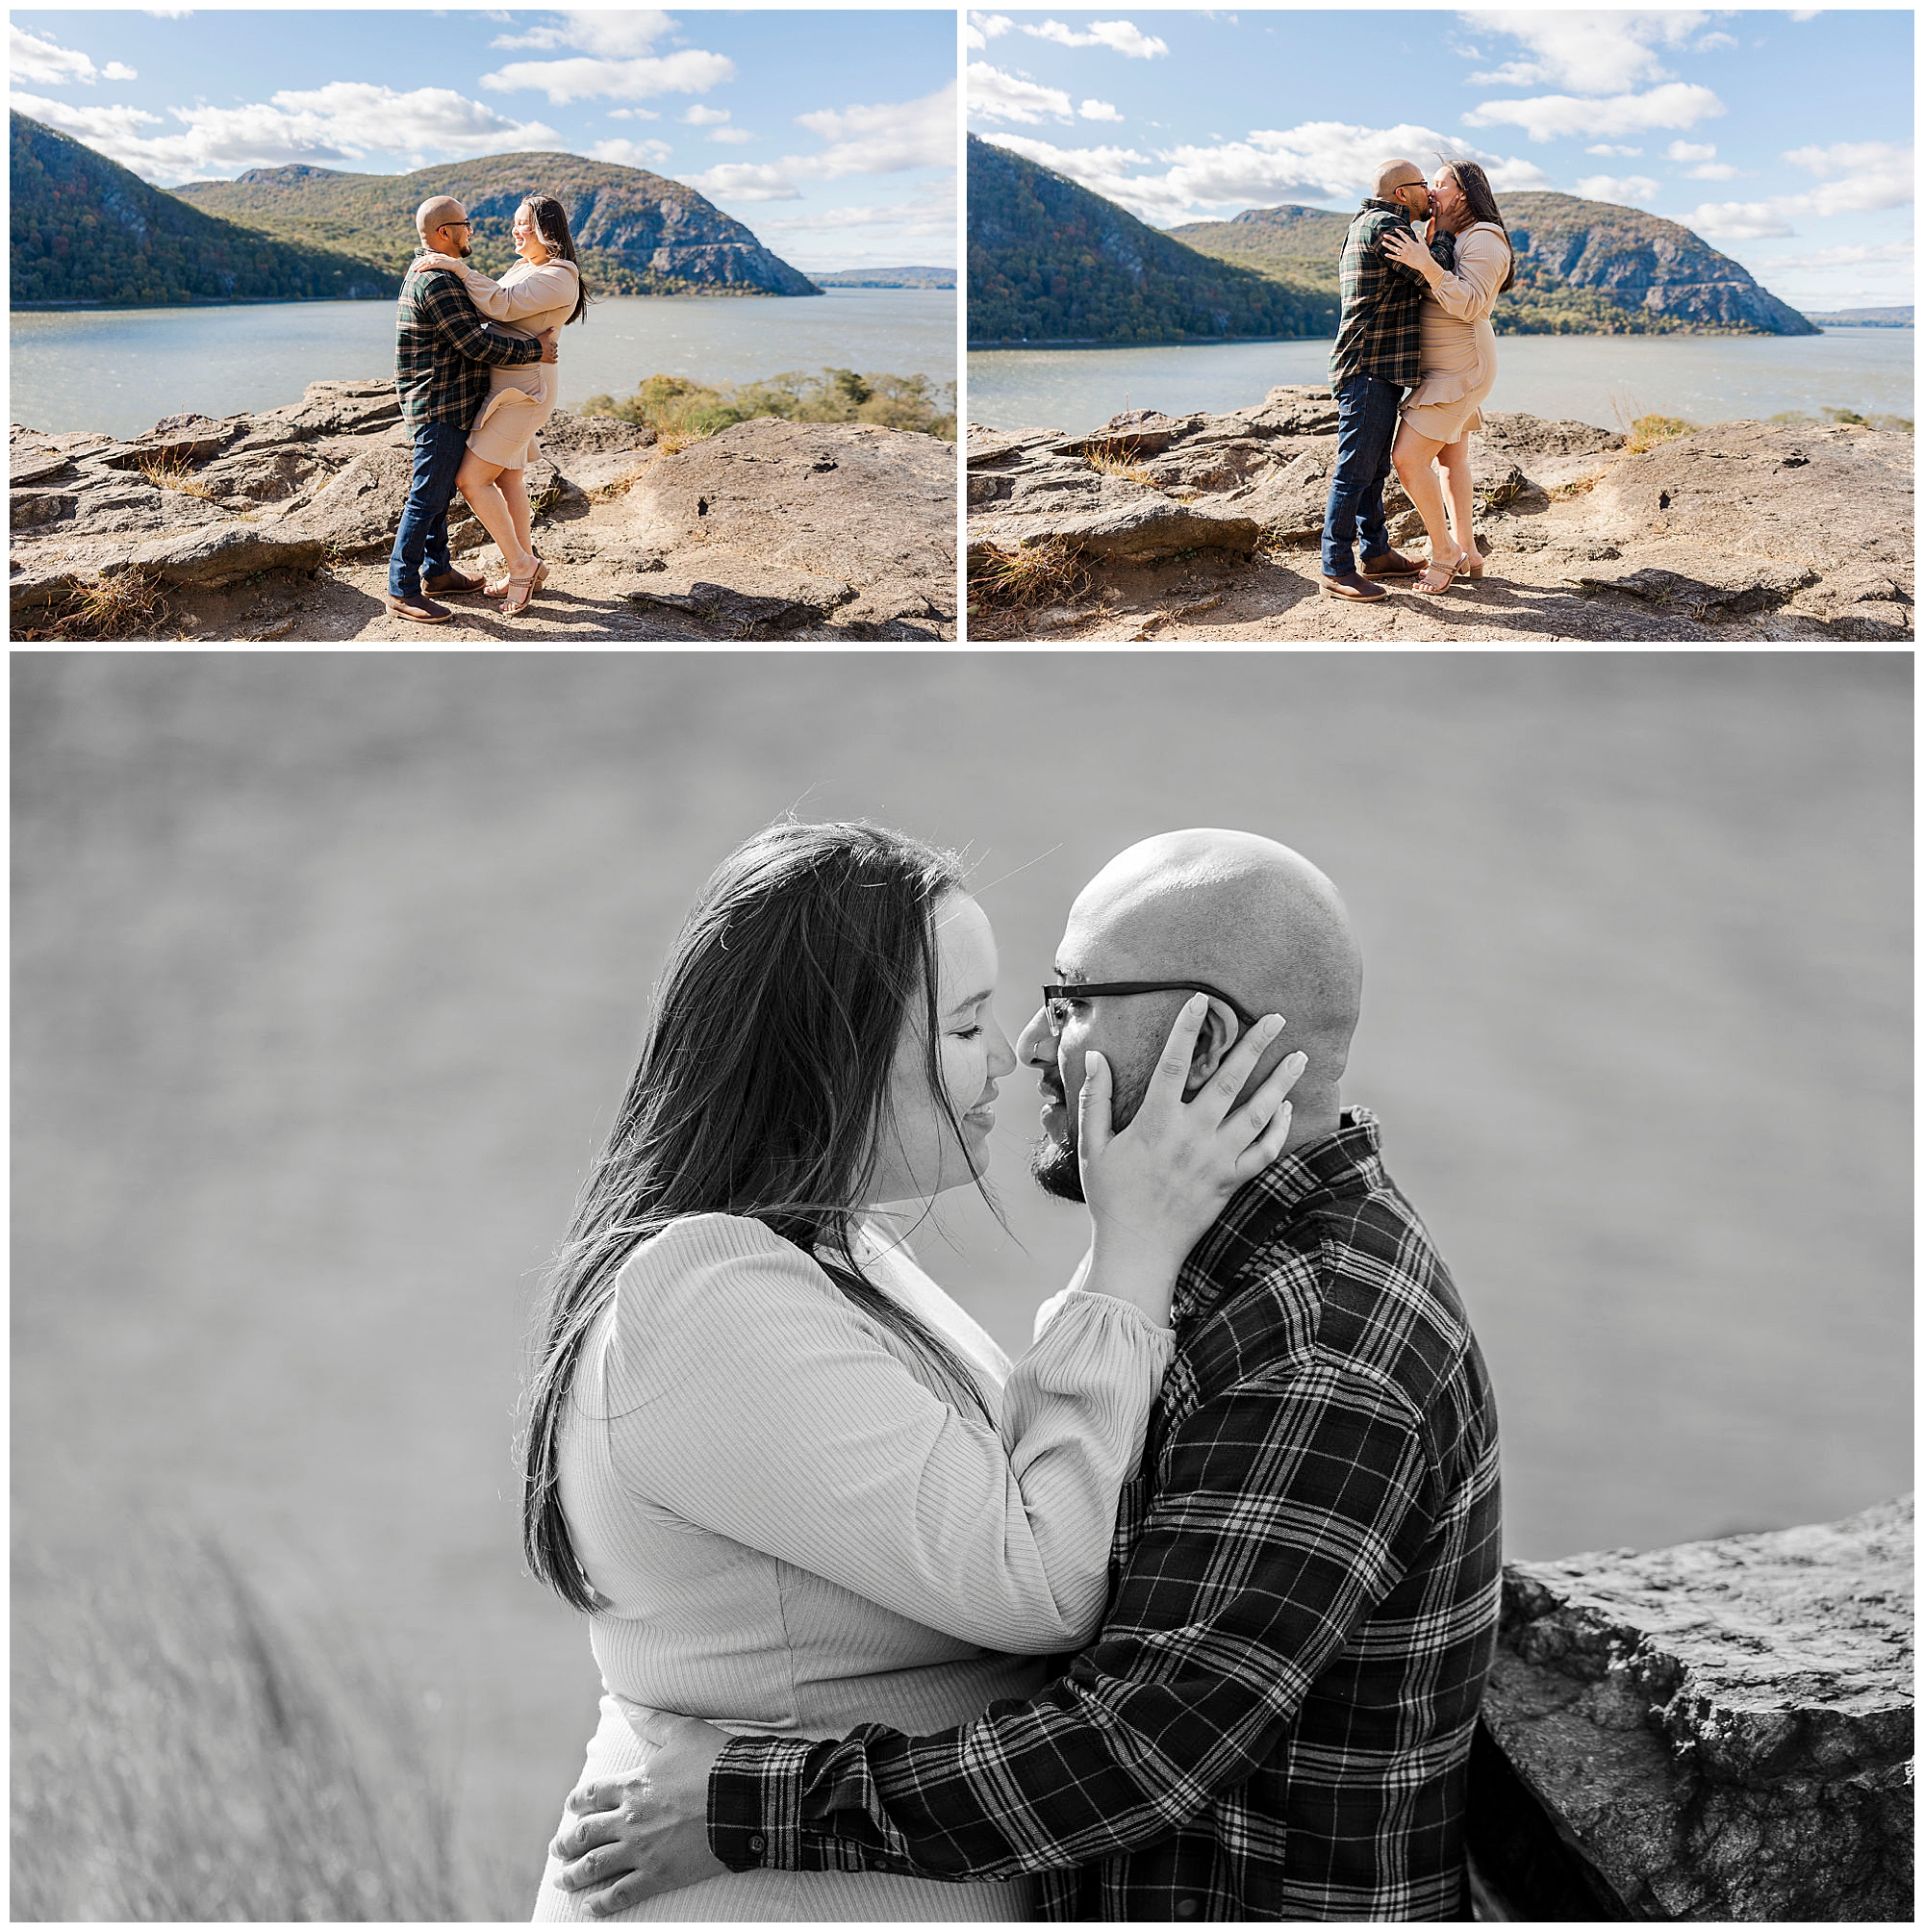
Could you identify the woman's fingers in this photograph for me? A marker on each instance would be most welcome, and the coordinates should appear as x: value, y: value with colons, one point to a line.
x: 1266, y: 1145
x: 1218, y: 1095
x: 1095, y: 1122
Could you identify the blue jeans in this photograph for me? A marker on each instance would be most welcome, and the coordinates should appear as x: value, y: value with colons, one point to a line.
x: 421, y: 544
x: 1366, y: 415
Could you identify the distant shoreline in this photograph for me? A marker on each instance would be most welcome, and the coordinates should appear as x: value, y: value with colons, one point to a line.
x: 1503, y: 334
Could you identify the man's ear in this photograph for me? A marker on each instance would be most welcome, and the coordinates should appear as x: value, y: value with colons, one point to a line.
x: 1221, y: 1030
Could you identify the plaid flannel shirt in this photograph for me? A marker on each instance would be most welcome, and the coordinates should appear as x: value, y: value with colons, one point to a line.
x: 1381, y: 332
x: 1275, y: 1720
x: 444, y: 350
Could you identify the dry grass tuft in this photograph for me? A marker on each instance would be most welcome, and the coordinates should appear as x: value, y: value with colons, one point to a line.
x: 1648, y: 431
x: 175, y: 473
x: 1119, y: 458
x: 1049, y: 572
x: 129, y: 604
x: 182, y: 1753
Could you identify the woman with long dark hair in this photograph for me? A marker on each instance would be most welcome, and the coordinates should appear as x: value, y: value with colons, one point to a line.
x: 542, y: 291
x: 1468, y: 264
x: 792, y: 1484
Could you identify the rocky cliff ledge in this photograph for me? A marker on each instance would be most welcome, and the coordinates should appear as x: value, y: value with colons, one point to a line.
x: 1203, y: 528
x: 276, y: 527
x: 1720, y: 1731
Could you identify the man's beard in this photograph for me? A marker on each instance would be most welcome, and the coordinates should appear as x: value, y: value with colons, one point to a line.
x: 1055, y: 1164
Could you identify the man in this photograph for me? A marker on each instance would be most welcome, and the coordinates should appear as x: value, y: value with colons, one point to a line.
x: 442, y: 352
x: 1377, y: 356
x: 1274, y: 1719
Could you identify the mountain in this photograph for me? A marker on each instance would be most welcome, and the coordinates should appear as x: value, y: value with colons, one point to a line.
x: 887, y: 279
x: 636, y: 233
x: 85, y: 230
x: 1583, y: 267
x: 1048, y: 260
x: 1905, y: 317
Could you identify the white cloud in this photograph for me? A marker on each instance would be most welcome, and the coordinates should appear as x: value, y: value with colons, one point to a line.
x: 1009, y: 97
x: 744, y: 181
x: 732, y: 137
x: 983, y: 28
x: 1318, y: 160
x: 701, y: 116
x: 648, y: 153
x: 29, y: 57
x: 1874, y: 175
x: 341, y: 122
x: 1712, y: 171
x: 1634, y: 189
x: 1852, y: 255
x: 632, y: 31
x: 1588, y: 52
x: 1122, y: 37
x: 1712, y: 42
x: 169, y: 13
x: 1100, y: 111
x: 633, y: 113
x: 885, y: 138
x: 687, y: 71
x: 1688, y: 151
x: 1676, y: 104
x: 1605, y: 148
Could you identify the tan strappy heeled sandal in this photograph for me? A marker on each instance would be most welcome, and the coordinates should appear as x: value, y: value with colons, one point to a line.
x: 521, y: 590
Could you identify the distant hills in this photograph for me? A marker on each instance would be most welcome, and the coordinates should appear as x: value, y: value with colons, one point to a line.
x: 1904, y: 317
x: 86, y: 230
x: 636, y: 233
x: 1048, y: 260
x: 887, y: 279
x: 1583, y: 267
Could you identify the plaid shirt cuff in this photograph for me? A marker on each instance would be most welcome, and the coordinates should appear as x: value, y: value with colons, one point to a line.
x: 755, y: 1803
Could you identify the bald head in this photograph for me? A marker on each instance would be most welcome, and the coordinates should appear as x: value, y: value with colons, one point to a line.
x: 433, y: 212
x: 1395, y: 174
x: 1246, y: 914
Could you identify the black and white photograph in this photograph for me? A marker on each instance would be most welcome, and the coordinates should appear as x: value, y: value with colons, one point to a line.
x: 882, y: 1284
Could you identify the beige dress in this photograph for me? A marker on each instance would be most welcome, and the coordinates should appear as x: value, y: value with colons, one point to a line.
x: 1459, y: 347
x: 519, y: 400
x: 797, y: 1533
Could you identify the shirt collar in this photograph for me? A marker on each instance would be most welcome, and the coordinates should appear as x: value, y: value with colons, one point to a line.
x: 1388, y: 206
x: 1348, y: 1160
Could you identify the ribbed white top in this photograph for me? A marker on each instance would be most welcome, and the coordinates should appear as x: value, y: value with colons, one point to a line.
x: 798, y: 1534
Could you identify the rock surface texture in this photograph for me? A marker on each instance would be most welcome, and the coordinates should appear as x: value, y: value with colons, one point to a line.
x: 1719, y: 1731
x: 277, y: 526
x: 1205, y: 528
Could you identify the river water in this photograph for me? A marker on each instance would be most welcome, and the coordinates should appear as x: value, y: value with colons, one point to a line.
x: 1607, y: 380
x: 122, y: 369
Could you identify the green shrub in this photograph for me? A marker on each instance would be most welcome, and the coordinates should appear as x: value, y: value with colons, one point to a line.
x: 681, y: 412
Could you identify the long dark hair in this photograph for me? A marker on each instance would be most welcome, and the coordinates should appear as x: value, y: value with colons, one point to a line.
x: 550, y: 219
x: 762, y: 1090
x: 1470, y: 177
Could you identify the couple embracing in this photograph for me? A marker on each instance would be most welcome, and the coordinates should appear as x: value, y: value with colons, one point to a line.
x: 474, y: 365
x: 1185, y: 1613
x: 1416, y: 318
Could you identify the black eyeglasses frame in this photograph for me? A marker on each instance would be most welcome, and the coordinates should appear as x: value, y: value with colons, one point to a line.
x: 1097, y: 989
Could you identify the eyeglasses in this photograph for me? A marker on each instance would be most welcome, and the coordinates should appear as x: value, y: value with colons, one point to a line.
x: 1056, y: 1000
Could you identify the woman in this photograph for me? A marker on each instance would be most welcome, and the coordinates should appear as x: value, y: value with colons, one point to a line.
x: 542, y: 291
x: 795, y: 1486
x: 1460, y: 361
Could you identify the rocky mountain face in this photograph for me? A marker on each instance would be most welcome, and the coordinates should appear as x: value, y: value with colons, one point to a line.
x: 1583, y: 267
x: 637, y: 233
x: 1204, y: 528
x: 86, y: 230
x: 277, y: 525
x: 1051, y: 262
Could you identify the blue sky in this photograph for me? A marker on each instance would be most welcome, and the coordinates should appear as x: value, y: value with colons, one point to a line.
x: 831, y: 134
x: 1784, y: 139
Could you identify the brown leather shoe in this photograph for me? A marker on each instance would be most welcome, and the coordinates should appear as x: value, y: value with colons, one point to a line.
x: 455, y: 584
x: 1359, y: 590
x: 1391, y: 564
x: 417, y: 609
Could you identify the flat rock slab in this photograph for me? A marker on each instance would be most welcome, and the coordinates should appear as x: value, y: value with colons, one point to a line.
x: 834, y: 500
x: 1723, y: 1730
x: 745, y: 596
x: 220, y: 553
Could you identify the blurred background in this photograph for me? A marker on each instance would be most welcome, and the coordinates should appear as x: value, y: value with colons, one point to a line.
x: 329, y: 970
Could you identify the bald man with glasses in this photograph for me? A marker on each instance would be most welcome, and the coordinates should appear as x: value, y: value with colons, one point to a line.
x: 1274, y: 1719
